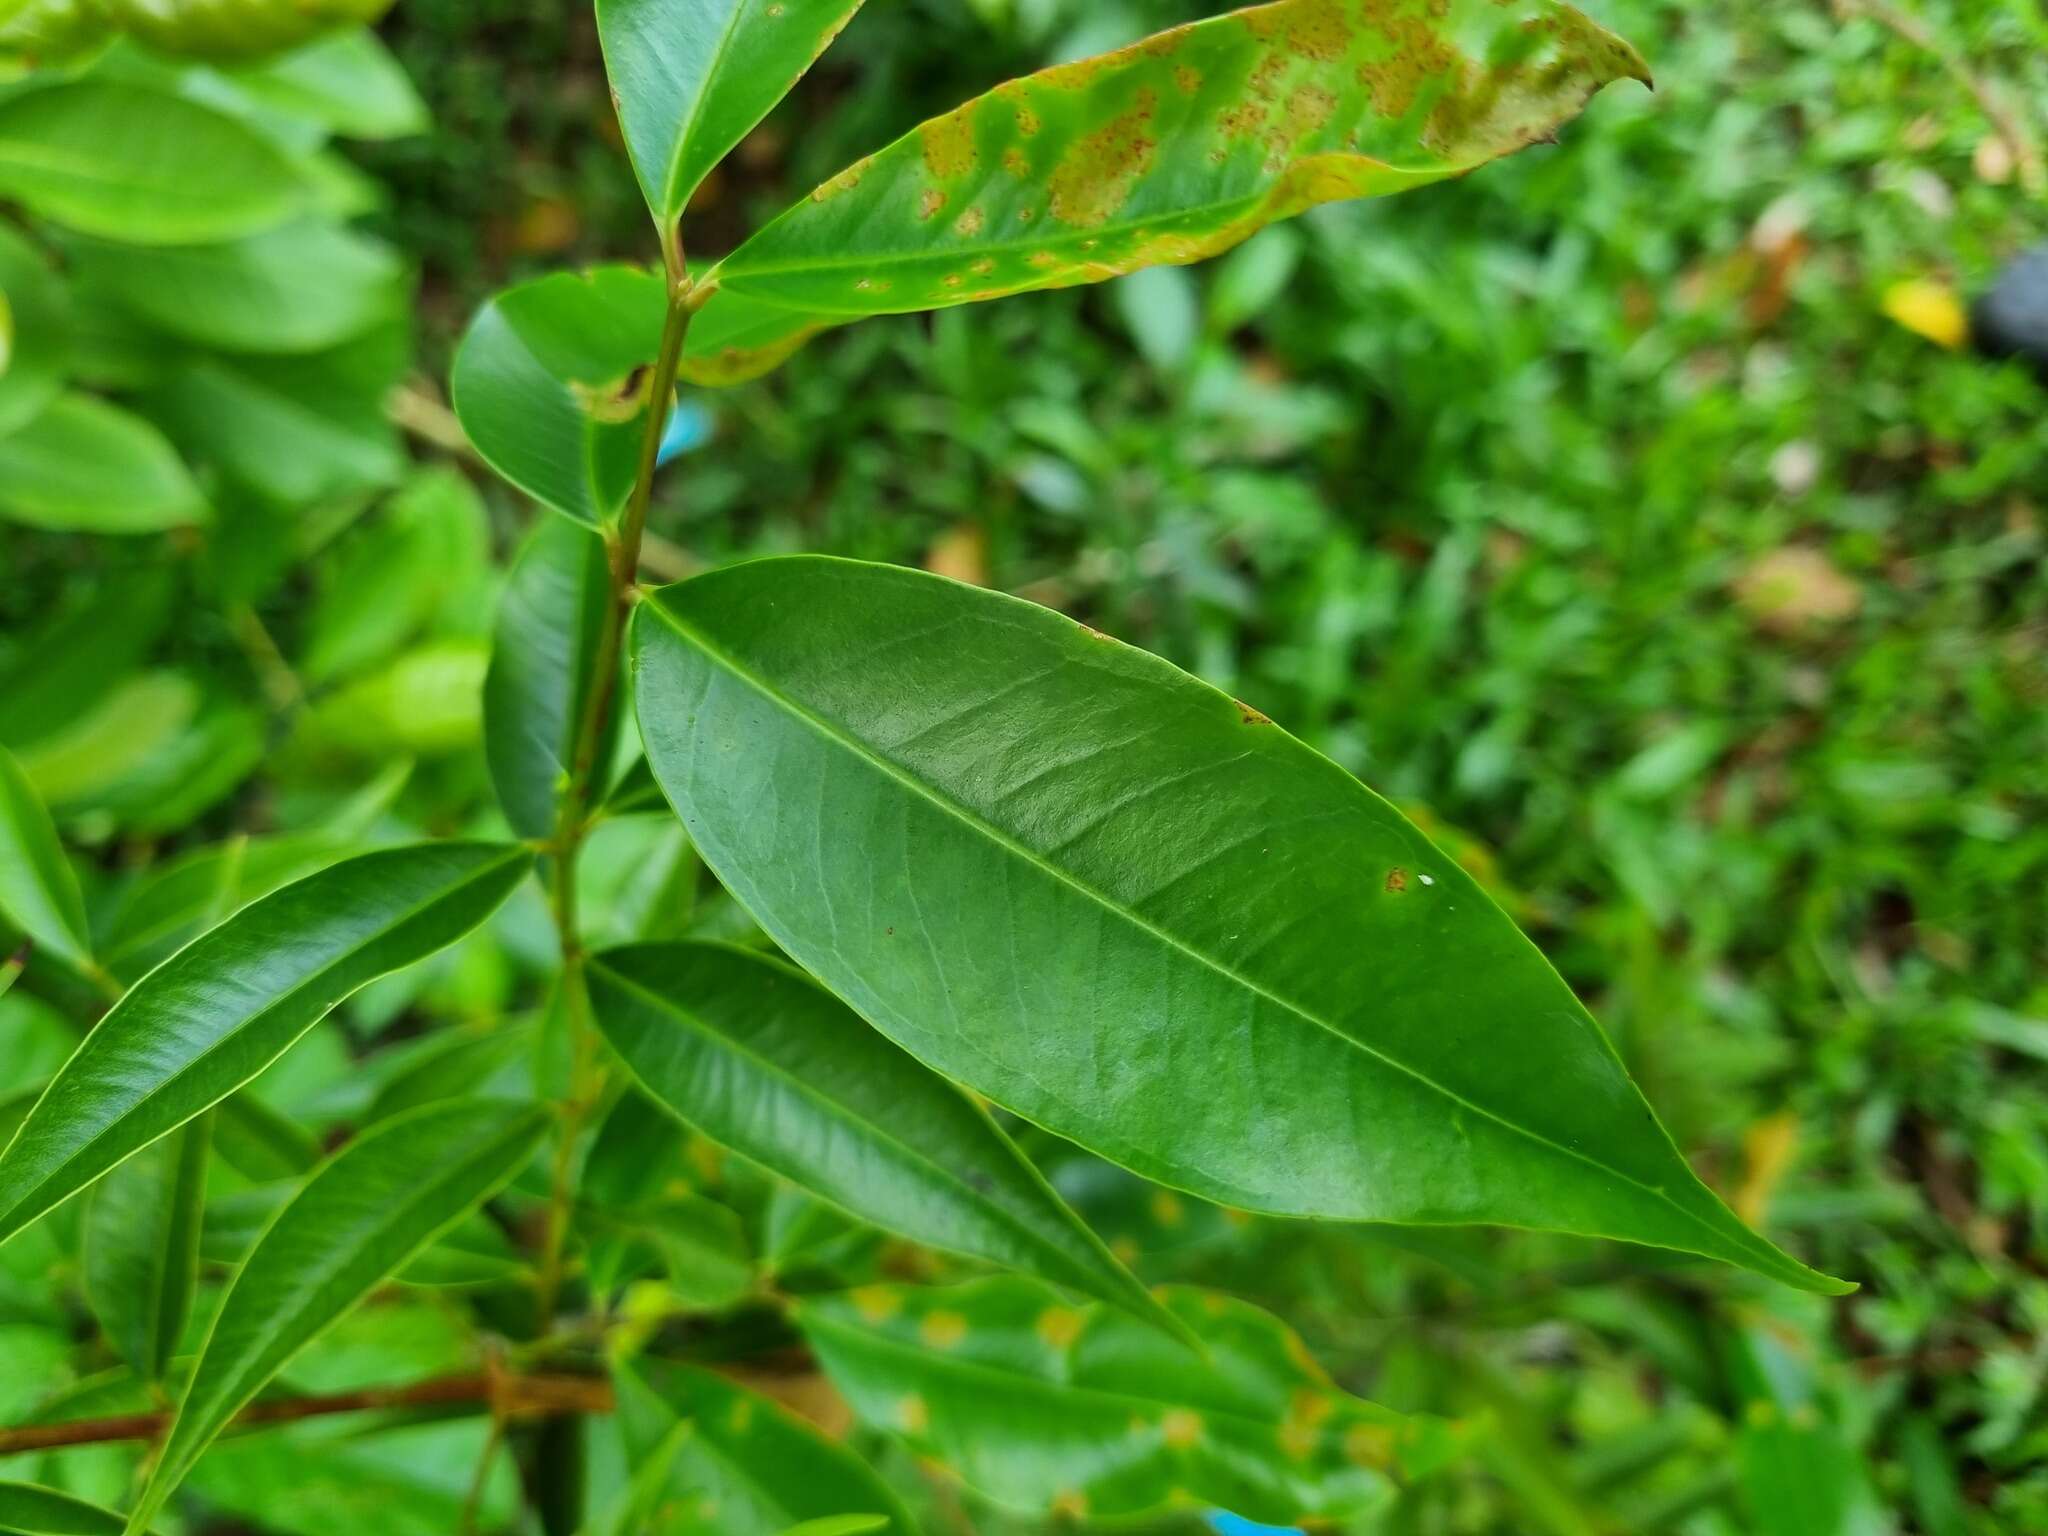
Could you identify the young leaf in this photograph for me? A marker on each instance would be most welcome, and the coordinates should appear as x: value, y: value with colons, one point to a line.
x: 89, y: 467
x: 35, y: 332
x: 549, y: 385
x: 543, y: 666
x: 693, y: 77
x: 1050, y: 1410
x: 141, y: 166
x: 38, y: 891
x: 748, y: 1467
x: 218, y: 1012
x: 753, y: 1054
x: 1176, y: 149
x: 26, y: 1510
x: 300, y: 287
x: 1134, y: 911
x: 378, y: 1203
x: 142, y: 1247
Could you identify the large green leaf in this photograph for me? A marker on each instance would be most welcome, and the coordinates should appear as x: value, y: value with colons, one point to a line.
x: 38, y: 890
x: 218, y: 1012
x: 1051, y: 1410
x: 744, y: 1465
x: 142, y: 166
x: 142, y: 1247
x: 26, y: 1510
x: 381, y: 1201
x: 1177, y: 148
x: 1136, y: 912
x: 86, y: 466
x: 300, y: 287
x: 35, y: 332
x: 693, y: 77
x: 551, y: 623
x: 757, y: 1057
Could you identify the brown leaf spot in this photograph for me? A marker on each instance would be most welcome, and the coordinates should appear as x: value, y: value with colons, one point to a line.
x: 1097, y: 175
x: 1397, y: 880
x: 1251, y: 716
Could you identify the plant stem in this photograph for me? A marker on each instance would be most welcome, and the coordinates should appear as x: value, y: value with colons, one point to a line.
x: 623, y: 545
x: 511, y: 1397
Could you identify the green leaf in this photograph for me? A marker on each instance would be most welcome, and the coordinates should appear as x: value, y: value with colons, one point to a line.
x: 377, y: 1204
x: 348, y: 82
x: 1136, y: 912
x: 549, y: 384
x: 294, y: 430
x: 142, y: 166
x: 1050, y: 1410
x: 550, y: 629
x: 35, y: 332
x: 75, y: 657
x: 86, y: 466
x: 301, y: 287
x: 217, y: 1013
x: 118, y: 737
x: 385, y: 585
x: 758, y: 1058
x: 693, y: 77
x: 38, y: 889
x: 227, y: 30
x: 747, y: 1467
x: 31, y: 1511
x: 142, y: 1247
x: 1176, y: 149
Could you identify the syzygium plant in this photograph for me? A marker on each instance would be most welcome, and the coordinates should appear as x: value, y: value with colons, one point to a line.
x: 1007, y: 861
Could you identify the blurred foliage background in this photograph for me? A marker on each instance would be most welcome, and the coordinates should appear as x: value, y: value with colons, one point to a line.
x: 1619, y: 511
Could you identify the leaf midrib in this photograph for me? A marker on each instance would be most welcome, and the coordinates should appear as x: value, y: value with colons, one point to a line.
x: 688, y: 128
x: 197, y: 1061
x: 1005, y: 841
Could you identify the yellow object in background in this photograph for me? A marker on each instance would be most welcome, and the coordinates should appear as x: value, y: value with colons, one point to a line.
x: 1930, y: 309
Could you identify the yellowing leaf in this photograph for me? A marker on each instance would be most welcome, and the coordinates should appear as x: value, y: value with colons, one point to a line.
x: 1930, y: 309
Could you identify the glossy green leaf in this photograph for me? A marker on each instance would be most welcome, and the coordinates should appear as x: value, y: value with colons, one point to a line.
x: 381, y: 1200
x: 551, y: 623
x: 38, y: 889
x: 35, y: 332
x: 142, y: 166
x: 693, y: 77
x: 89, y: 467
x: 746, y: 1467
x: 758, y: 1058
x: 300, y: 287
x: 1139, y: 914
x: 1051, y: 1410
x: 549, y: 385
x: 75, y: 657
x: 142, y: 1247
x: 217, y: 1013
x: 1178, y: 148
x: 26, y: 1510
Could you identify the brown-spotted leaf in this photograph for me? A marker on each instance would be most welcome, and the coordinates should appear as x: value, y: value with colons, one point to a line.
x: 1176, y: 149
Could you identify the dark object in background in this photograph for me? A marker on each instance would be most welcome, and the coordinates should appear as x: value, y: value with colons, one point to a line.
x: 2012, y: 319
